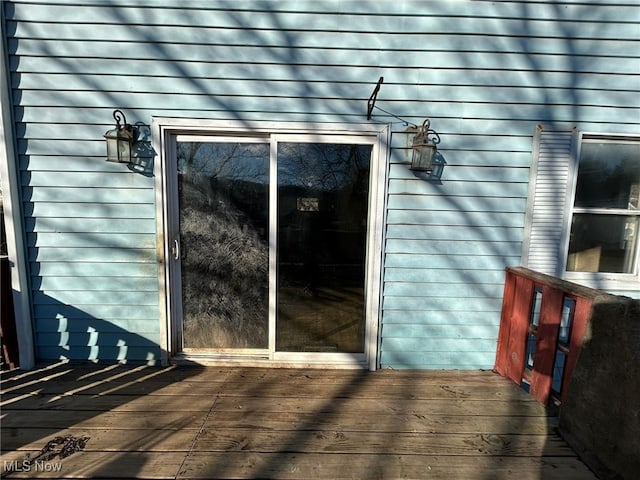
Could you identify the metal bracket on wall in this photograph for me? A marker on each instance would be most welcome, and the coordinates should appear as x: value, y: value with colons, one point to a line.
x: 371, y: 104
x: 372, y: 99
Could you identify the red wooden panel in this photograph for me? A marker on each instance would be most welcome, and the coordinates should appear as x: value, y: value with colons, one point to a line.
x: 502, y: 350
x: 546, y: 344
x: 579, y: 325
x: 514, y: 328
x: 519, y: 328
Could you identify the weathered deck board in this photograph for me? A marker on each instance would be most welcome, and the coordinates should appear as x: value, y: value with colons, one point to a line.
x: 268, y: 388
x: 403, y: 443
x: 247, y: 423
x: 103, y: 439
x: 338, y: 466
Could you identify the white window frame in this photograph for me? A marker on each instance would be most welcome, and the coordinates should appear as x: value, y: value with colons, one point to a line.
x: 552, y: 185
x: 166, y: 130
x: 601, y: 280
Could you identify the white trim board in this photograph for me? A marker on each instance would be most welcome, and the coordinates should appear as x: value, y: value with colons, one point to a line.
x: 16, y: 245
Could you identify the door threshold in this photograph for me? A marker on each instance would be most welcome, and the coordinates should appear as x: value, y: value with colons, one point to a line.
x: 244, y: 360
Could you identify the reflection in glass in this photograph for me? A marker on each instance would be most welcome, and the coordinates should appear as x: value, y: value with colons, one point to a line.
x: 559, y: 365
x: 223, y: 198
x: 568, y: 307
x: 609, y: 176
x: 322, y: 223
x: 530, y: 351
x: 602, y: 243
x: 536, y: 304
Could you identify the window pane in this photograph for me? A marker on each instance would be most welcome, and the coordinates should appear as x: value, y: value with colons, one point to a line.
x: 531, y: 350
x: 568, y: 308
x: 323, y: 192
x: 223, y: 197
x: 609, y: 176
x: 534, y: 317
x: 558, y: 371
x: 602, y: 243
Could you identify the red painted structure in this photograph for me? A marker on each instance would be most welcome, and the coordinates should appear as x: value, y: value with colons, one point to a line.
x: 542, y: 327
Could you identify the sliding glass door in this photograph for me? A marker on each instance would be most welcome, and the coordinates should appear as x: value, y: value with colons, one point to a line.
x: 269, y: 245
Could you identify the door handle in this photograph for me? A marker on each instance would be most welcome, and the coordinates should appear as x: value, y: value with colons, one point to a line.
x: 176, y: 249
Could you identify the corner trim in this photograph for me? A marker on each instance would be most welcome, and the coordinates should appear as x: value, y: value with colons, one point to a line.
x: 16, y: 245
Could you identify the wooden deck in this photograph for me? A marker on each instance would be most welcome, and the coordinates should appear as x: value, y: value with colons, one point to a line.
x: 195, y: 422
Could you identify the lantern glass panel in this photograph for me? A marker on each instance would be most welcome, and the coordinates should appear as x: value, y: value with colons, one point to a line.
x: 422, y: 158
x: 112, y: 149
x: 124, y: 150
x: 118, y: 146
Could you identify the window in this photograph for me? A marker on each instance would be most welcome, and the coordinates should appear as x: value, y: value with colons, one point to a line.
x: 605, y: 214
x: 583, y: 211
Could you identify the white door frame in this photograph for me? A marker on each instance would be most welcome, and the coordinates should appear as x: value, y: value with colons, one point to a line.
x: 165, y: 131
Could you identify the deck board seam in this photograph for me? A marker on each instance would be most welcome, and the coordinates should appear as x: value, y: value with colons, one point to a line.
x: 197, y: 437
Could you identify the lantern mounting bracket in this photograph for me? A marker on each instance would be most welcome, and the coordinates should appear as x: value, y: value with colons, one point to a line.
x: 372, y: 99
x: 371, y: 105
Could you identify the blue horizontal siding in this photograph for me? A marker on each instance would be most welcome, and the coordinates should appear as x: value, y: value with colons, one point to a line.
x: 447, y: 247
x: 485, y: 73
x: 448, y: 275
x: 106, y: 268
x: 510, y: 85
x: 86, y: 180
x: 431, y: 344
x: 453, y: 218
x: 90, y: 240
x: 94, y: 202
x: 105, y: 339
x: 451, y: 360
x: 536, y: 109
x: 318, y: 43
x: 150, y: 355
x: 447, y: 321
x: 82, y: 325
x: 84, y: 225
x: 413, y: 331
x: 91, y: 297
x: 582, y: 11
x: 436, y: 290
x: 92, y: 254
x: 406, y: 17
x: 116, y: 314
x: 96, y: 283
x: 470, y: 262
x: 445, y: 304
x: 457, y: 188
x: 507, y: 94
x: 444, y: 229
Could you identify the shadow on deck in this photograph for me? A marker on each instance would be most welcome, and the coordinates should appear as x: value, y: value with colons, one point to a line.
x: 193, y: 422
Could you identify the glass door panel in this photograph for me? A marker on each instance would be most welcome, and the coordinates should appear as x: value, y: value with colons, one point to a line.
x: 323, y: 191
x: 223, y: 190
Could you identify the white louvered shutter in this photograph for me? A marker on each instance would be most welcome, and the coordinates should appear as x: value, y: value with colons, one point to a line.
x: 548, y: 206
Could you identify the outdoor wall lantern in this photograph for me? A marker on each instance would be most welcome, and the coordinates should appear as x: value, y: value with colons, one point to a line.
x: 120, y: 140
x: 424, y: 148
